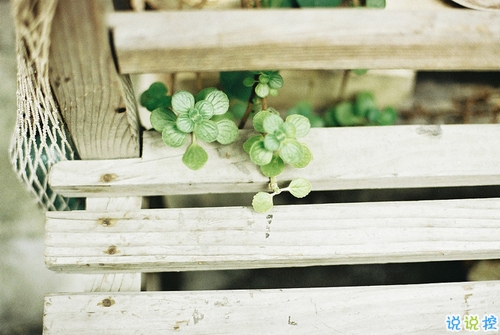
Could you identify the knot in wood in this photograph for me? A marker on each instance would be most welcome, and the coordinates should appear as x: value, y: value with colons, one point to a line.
x: 111, y: 250
x: 108, y: 177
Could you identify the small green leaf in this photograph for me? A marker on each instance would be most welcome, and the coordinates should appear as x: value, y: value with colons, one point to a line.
x: 305, y: 159
x: 219, y: 100
x: 301, y: 123
x: 258, y: 120
x: 271, y: 123
x: 375, y: 3
x: 259, y: 154
x: 319, y: 3
x: 387, y: 117
x: 291, y: 151
x: 264, y: 78
x: 364, y: 102
x: 299, y: 187
x: 275, y: 81
x: 203, y: 93
x: 289, y: 129
x: 185, y: 123
x: 161, y: 117
x: 248, y: 143
x: 172, y: 136
x: 271, y: 142
x: 157, y: 89
x: 228, y: 131
x: 205, y: 108
x: 344, y: 115
x: 248, y: 81
x: 262, y: 202
x: 195, y: 157
x: 182, y: 102
x: 262, y: 90
x: 359, y: 72
x: 274, y: 168
x: 207, y: 131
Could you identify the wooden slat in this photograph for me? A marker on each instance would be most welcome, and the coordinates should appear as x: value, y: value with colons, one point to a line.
x: 300, y: 235
x: 344, y: 158
x: 97, y: 104
x: 382, y: 310
x: 306, y: 39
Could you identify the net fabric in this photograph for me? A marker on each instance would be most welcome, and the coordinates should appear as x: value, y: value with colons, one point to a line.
x: 39, y: 139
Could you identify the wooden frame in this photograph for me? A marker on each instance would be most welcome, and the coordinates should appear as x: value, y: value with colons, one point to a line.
x: 114, y: 239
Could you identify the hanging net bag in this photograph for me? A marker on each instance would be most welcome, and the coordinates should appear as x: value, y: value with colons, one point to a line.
x: 40, y: 139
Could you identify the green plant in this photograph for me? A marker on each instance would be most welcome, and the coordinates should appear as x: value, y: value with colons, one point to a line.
x: 360, y: 112
x: 184, y: 114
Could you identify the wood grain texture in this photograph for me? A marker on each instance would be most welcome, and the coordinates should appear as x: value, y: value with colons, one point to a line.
x: 113, y: 282
x: 97, y: 105
x: 298, y: 235
x: 344, y: 158
x: 377, y: 310
x: 306, y: 39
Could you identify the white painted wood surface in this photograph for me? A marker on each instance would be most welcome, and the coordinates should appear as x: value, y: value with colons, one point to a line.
x: 344, y: 158
x: 305, y: 39
x: 113, y: 282
x: 299, y: 235
x: 382, y: 310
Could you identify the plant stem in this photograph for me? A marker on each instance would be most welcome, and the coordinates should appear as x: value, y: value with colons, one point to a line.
x: 273, y: 185
x: 264, y: 103
x: 245, y: 117
x: 343, y: 85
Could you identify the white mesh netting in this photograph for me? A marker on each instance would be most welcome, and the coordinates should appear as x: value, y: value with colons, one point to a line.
x: 40, y: 139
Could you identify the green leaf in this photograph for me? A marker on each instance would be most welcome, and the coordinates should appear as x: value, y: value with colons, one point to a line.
x: 232, y: 83
x: 274, y: 168
x: 344, y: 115
x: 305, y: 159
x: 258, y: 120
x: 291, y: 151
x: 275, y: 81
x: 299, y: 187
x: 157, y: 89
x: 271, y: 142
x: 172, y: 136
x: 207, y: 131
x: 289, y: 129
x: 185, y: 123
x: 262, y: 202
x: 262, y: 90
x: 182, y: 102
x: 319, y: 3
x: 203, y: 93
x: 271, y: 123
x: 364, y: 101
x: 162, y: 117
x: 301, y: 123
x: 248, y: 82
x: 259, y: 154
x: 205, y: 108
x: 219, y: 100
x: 195, y: 157
x: 228, y: 131
x: 248, y: 143
x: 387, y: 117
x: 359, y: 72
x: 375, y: 3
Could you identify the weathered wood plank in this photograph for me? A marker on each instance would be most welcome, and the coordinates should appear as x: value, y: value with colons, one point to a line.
x: 299, y: 235
x: 406, y: 309
x: 97, y: 104
x: 344, y: 158
x: 114, y: 282
x: 306, y: 39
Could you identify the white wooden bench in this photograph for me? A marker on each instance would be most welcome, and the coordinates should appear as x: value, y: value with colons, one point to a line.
x: 115, y: 240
